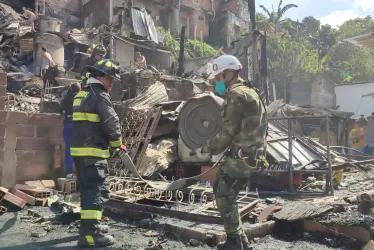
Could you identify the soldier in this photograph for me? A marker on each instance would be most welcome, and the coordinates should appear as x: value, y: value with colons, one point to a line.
x: 98, y: 53
x: 244, y: 129
x: 96, y: 128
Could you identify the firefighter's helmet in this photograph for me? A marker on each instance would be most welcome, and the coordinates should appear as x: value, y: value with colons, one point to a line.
x: 99, y: 50
x: 106, y: 67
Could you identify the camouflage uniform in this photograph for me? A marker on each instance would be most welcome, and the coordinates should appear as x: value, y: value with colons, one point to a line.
x: 244, y: 125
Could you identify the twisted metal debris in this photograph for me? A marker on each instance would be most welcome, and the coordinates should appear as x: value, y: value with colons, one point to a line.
x: 136, y: 189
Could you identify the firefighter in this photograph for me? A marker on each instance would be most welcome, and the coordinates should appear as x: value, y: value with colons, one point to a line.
x: 96, y: 128
x: 97, y: 54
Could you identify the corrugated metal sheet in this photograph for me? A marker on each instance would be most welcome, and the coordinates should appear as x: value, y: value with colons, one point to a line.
x: 143, y: 24
x: 138, y: 22
x: 80, y: 39
x: 364, y: 41
x: 278, y: 148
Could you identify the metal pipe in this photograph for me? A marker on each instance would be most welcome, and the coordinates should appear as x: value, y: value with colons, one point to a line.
x: 37, y: 8
x: 329, y: 156
x: 298, y: 117
x: 290, y: 156
x: 43, y: 7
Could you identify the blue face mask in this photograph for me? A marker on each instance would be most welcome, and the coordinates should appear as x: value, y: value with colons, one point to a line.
x: 220, y: 88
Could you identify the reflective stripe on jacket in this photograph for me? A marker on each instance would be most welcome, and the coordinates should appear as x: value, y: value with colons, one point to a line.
x: 96, y: 124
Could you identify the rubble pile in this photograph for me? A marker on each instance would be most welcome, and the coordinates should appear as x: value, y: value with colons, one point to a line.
x: 41, y: 193
x: 22, y: 103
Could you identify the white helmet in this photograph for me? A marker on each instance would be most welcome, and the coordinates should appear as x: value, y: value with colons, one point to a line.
x: 221, y: 63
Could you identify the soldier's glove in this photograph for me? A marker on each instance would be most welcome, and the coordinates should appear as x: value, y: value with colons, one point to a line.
x: 201, y: 155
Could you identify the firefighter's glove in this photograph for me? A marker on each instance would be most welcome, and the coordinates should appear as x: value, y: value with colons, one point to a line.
x: 123, y: 148
x: 201, y: 155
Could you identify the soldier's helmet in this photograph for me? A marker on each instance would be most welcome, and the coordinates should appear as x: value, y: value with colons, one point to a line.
x: 222, y: 63
x: 105, y: 67
x: 99, y: 50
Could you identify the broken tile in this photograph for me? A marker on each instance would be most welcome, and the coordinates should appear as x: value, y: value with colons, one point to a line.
x: 48, y: 183
x: 28, y: 198
x: 27, y: 188
x: 11, y: 198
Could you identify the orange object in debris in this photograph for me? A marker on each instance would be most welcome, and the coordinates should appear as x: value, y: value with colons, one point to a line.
x: 297, y: 179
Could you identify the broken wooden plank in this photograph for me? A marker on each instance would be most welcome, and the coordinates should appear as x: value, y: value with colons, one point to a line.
x: 264, y: 215
x: 300, y: 211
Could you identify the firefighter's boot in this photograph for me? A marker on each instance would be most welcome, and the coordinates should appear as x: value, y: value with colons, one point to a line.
x: 235, y: 242
x: 96, y: 239
x: 103, y: 228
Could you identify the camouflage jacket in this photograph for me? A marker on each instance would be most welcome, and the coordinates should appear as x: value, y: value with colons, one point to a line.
x: 244, y: 121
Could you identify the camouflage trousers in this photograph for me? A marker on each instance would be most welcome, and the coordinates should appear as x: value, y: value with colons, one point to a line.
x: 226, y: 190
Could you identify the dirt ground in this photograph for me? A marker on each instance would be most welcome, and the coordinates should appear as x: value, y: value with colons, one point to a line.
x: 15, y: 234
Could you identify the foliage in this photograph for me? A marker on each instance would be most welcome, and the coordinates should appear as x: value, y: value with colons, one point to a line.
x: 357, y: 26
x: 348, y: 59
x: 292, y: 61
x: 192, y: 47
x: 276, y: 16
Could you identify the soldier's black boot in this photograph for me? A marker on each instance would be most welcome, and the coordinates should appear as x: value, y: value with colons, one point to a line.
x: 235, y: 242
x: 94, y: 239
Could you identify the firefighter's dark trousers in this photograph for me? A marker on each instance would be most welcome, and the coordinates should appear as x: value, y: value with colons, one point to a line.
x: 92, y: 176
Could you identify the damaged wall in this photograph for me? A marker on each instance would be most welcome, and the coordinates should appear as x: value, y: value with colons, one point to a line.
x: 95, y: 13
x: 68, y: 11
x: 32, y: 145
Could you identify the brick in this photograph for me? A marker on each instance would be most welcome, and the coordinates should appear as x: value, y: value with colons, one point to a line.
x: 2, y: 130
x: 11, y: 198
x: 70, y: 187
x: 38, y: 184
x: 24, y: 155
x: 61, y: 184
x: 28, y: 198
x: 35, y: 120
x: 33, y: 144
x: 58, y: 131
x: 24, y: 187
x: 2, y: 145
x: 15, y: 117
x: 3, y: 79
x: 44, y: 132
x: 35, y: 169
x: 2, y: 90
x: 2, y: 102
x: 25, y: 130
x: 48, y: 183
x: 3, y: 115
x: 41, y: 202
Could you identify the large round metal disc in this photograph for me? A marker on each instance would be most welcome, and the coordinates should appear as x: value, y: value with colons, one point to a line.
x: 200, y: 120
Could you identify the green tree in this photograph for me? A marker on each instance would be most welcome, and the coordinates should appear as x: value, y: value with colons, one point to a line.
x: 357, y: 26
x: 274, y: 17
x: 291, y: 61
x: 311, y: 26
x: 349, y: 63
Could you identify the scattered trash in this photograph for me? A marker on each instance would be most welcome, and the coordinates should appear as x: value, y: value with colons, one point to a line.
x: 151, y: 234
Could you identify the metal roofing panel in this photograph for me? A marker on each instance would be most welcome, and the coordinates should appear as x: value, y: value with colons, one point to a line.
x: 278, y: 148
x: 80, y: 39
x: 364, y: 41
x: 151, y: 28
x: 138, y: 22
